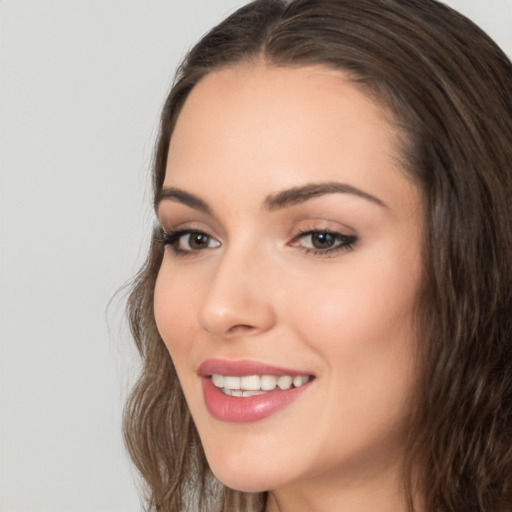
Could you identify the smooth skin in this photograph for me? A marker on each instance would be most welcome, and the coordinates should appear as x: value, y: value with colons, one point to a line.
x: 324, y: 284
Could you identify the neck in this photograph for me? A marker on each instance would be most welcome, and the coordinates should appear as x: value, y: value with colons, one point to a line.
x: 382, y: 492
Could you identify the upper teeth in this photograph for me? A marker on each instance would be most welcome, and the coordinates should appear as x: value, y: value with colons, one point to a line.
x: 258, y: 382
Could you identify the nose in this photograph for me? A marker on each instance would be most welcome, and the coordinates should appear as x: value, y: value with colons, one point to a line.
x: 238, y: 299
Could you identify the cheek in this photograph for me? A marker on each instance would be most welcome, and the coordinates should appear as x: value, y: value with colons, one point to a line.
x: 173, y: 310
x: 360, y: 304
x: 361, y: 324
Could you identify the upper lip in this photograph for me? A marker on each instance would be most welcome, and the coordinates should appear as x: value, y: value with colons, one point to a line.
x: 241, y: 368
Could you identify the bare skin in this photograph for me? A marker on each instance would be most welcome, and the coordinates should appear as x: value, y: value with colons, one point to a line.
x: 323, y: 283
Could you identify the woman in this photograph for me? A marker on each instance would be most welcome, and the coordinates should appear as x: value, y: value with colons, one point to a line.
x: 324, y: 315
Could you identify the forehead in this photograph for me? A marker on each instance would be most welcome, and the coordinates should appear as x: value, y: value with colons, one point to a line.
x: 255, y: 101
x: 280, y: 127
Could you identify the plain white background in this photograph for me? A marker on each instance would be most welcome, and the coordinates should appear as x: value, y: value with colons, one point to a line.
x: 81, y: 85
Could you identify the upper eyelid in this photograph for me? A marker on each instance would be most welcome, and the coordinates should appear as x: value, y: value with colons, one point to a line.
x: 168, y: 227
x: 323, y: 225
x: 171, y: 216
x: 186, y: 231
x: 170, y: 222
x: 208, y: 222
x: 335, y: 233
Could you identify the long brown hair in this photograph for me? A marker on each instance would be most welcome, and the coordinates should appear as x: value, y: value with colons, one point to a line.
x: 449, y: 88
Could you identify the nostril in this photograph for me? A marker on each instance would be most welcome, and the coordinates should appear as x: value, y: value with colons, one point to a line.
x: 241, y: 328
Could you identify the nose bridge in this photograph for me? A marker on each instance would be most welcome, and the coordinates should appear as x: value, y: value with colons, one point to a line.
x: 237, y: 300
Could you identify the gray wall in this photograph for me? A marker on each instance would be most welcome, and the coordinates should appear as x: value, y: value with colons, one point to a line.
x: 81, y: 85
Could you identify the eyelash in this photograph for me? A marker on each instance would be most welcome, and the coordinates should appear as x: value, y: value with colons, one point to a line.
x: 344, y: 242
x: 173, y: 240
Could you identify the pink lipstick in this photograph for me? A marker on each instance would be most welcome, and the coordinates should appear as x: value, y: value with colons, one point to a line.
x: 246, y: 391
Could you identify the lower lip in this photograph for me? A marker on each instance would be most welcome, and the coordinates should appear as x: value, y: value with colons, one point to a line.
x: 246, y: 409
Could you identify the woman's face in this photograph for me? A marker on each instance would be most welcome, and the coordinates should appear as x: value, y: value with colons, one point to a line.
x: 292, y: 257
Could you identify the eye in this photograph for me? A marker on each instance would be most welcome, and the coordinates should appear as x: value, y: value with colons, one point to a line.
x: 323, y: 242
x: 186, y: 241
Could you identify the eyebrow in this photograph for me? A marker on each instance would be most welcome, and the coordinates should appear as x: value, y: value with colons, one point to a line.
x: 277, y: 201
x: 180, y: 196
x: 303, y: 193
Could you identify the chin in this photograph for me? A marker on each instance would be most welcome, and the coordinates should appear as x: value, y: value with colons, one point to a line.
x: 244, y: 481
x: 247, y: 476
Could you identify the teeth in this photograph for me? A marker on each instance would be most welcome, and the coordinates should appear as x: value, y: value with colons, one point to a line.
x: 218, y: 380
x: 253, y: 393
x: 238, y: 392
x: 231, y: 382
x: 300, y: 380
x: 268, y: 382
x: 285, y: 382
x: 252, y: 385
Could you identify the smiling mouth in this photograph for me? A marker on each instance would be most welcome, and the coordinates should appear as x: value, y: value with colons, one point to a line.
x: 245, y: 391
x: 253, y: 385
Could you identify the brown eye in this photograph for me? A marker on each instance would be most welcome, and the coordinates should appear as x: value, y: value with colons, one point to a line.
x: 323, y: 240
x: 197, y: 241
x: 189, y: 241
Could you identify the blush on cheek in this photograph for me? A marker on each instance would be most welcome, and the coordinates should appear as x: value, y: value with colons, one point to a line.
x: 359, y: 316
x: 169, y: 311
